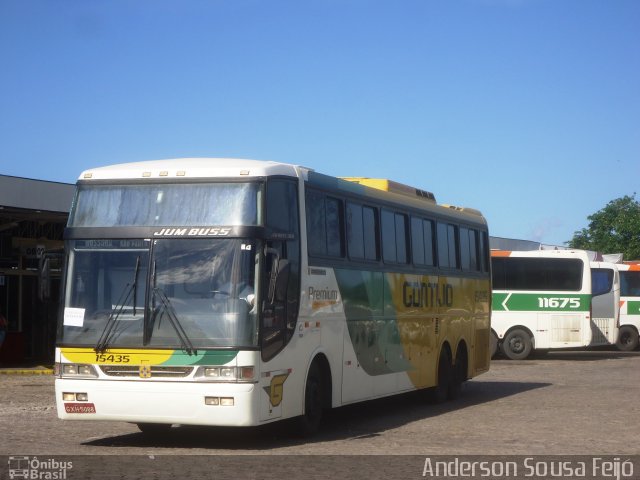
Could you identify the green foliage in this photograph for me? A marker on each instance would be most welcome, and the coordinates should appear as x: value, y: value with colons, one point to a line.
x: 614, y: 229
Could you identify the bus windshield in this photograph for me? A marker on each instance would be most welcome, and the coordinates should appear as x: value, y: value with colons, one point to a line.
x: 166, y: 205
x: 165, y: 293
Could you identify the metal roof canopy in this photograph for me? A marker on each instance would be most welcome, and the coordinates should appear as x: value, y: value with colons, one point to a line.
x: 39, y: 195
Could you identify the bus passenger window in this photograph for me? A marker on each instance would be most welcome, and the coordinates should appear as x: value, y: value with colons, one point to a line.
x: 334, y: 227
x: 417, y: 241
x: 485, y: 253
x: 388, y: 236
x: 355, y: 231
x: 447, y: 245
x: 316, y: 225
x: 324, y: 225
x: 469, y: 249
x: 370, y: 227
x: 394, y: 237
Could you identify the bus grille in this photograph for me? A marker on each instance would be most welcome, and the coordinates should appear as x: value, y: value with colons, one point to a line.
x: 135, y: 371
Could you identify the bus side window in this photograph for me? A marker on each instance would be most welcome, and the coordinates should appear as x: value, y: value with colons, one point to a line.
x: 601, y: 281
x: 448, y: 245
x: 325, y: 225
x: 394, y: 237
x: 485, y: 254
x: 630, y: 284
x: 362, y: 232
x: 280, y: 305
x: 469, y: 249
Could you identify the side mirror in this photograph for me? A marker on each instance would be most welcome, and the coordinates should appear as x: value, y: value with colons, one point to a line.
x: 279, y: 277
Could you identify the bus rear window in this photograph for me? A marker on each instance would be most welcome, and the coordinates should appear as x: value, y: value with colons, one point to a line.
x: 553, y: 274
x: 630, y: 284
x: 601, y: 280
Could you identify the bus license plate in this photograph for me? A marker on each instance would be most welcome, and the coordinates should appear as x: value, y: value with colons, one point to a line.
x: 79, y: 408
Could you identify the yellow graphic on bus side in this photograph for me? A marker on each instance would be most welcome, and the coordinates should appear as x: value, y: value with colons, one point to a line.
x: 116, y: 356
x: 276, y: 389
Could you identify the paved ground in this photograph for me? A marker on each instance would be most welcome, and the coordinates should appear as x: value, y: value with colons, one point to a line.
x: 569, y: 403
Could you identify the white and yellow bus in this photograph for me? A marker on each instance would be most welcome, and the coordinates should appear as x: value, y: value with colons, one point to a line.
x: 552, y: 299
x: 236, y: 292
x: 629, y: 305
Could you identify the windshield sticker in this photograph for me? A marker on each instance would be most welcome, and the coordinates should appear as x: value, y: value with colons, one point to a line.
x: 74, y: 317
x: 193, y: 232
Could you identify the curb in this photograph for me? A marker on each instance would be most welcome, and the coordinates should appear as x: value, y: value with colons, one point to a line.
x: 26, y: 371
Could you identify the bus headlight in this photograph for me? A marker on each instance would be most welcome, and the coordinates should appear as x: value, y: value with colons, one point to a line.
x: 246, y: 373
x: 219, y: 401
x: 76, y: 370
x: 75, y: 397
x: 86, y: 370
x: 227, y: 374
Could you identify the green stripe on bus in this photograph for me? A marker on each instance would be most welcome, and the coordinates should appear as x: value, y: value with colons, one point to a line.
x: 536, y: 302
x: 203, y: 357
x: 633, y: 308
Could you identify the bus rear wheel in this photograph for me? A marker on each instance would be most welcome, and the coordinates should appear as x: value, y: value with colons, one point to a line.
x: 627, y: 339
x: 517, y: 344
x: 442, y: 391
x: 458, y: 376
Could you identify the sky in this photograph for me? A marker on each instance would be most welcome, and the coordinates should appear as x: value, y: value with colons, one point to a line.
x: 528, y: 110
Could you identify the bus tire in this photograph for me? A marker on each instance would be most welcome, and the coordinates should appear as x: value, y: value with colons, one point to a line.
x: 458, y: 376
x: 442, y: 390
x: 627, y: 338
x: 153, y: 428
x: 493, y: 344
x: 517, y: 344
x: 309, y: 421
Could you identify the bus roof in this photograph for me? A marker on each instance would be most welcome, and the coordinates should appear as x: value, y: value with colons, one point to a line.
x: 541, y: 253
x: 392, y: 192
x: 633, y: 266
x: 180, y: 168
x: 391, y: 186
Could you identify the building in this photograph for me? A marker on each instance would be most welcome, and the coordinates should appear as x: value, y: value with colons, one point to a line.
x: 33, y: 214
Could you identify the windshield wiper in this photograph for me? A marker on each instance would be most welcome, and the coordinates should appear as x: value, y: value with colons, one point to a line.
x: 135, y: 285
x: 185, y: 342
x: 129, y: 290
x: 105, y: 337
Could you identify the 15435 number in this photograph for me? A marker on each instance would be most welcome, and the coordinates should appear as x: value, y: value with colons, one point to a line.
x: 112, y: 358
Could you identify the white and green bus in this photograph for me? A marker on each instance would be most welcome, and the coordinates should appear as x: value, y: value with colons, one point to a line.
x: 629, y: 305
x: 236, y: 292
x: 552, y: 299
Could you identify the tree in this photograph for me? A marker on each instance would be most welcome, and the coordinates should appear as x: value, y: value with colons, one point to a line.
x: 614, y: 229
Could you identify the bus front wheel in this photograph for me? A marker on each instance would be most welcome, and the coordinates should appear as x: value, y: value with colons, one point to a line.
x: 517, y: 344
x: 154, y: 428
x: 627, y: 339
x: 309, y: 422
